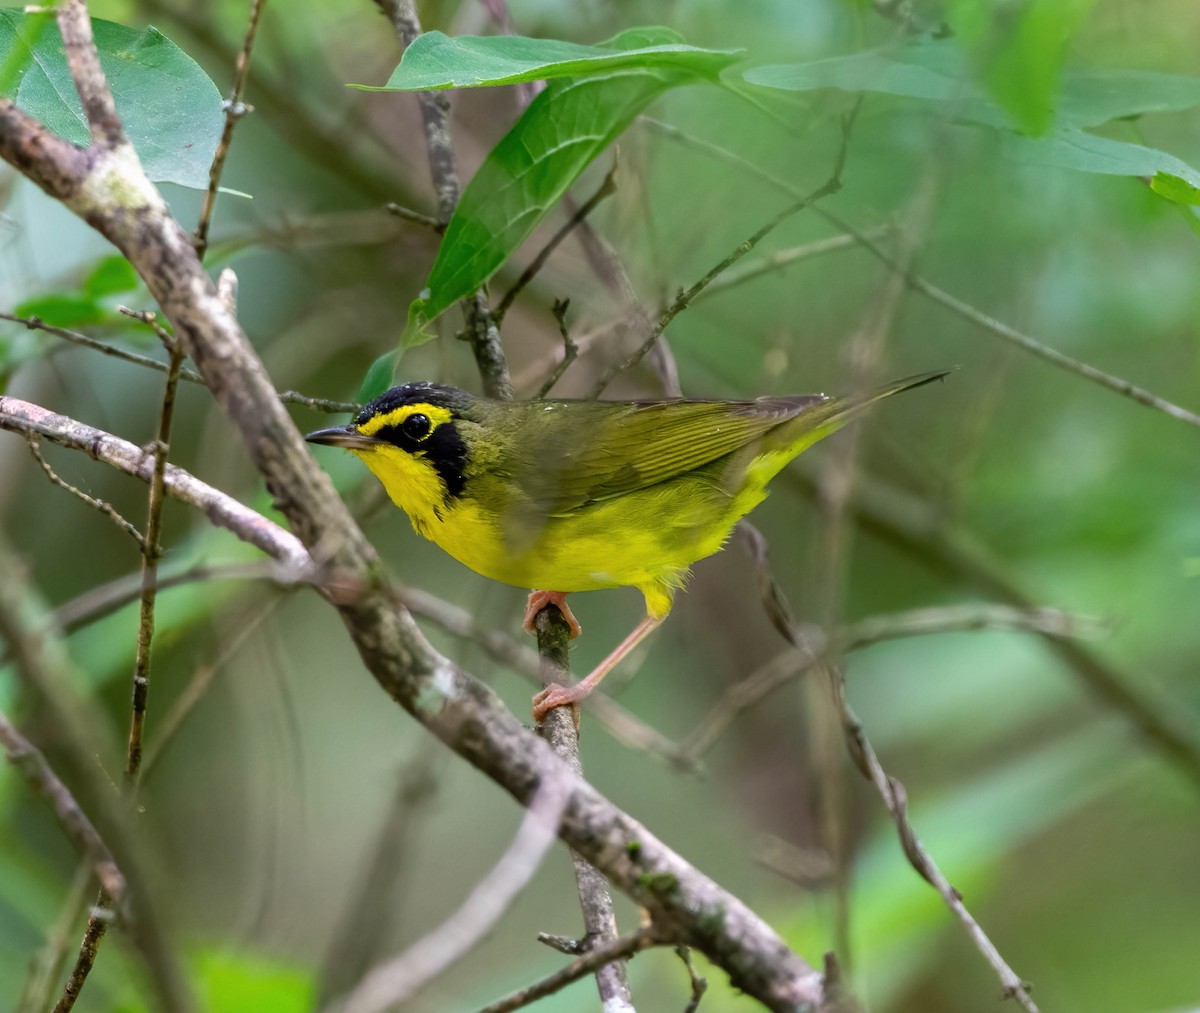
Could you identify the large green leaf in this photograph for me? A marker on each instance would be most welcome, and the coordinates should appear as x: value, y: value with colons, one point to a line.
x: 437, y: 61
x: 555, y: 139
x: 170, y: 108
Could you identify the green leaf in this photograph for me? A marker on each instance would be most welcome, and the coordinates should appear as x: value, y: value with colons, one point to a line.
x: 938, y: 72
x: 437, y: 61
x: 110, y: 276
x: 63, y: 310
x: 1018, y: 50
x: 170, y: 108
x: 556, y: 138
x: 1074, y: 149
x: 379, y: 377
x: 1175, y: 189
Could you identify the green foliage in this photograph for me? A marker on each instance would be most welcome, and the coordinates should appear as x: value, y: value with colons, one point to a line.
x: 170, y: 108
x: 940, y: 72
x: 436, y: 61
x: 91, y: 302
x: 1018, y: 50
x: 571, y: 122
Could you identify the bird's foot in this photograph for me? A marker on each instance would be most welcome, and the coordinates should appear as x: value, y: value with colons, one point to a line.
x: 538, y: 600
x: 558, y: 696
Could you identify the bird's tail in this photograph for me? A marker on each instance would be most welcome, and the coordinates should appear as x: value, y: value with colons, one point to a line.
x: 826, y: 417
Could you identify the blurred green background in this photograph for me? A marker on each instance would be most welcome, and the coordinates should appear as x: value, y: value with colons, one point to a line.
x: 1074, y: 841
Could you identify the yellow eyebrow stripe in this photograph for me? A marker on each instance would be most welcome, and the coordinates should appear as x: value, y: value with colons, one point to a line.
x: 435, y: 413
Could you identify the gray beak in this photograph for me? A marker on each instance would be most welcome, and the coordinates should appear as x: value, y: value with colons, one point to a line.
x: 342, y: 436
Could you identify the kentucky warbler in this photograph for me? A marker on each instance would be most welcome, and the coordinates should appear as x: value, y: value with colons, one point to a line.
x: 582, y: 495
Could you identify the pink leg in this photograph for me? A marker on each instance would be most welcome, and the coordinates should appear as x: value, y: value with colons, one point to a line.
x: 538, y: 600
x: 558, y: 696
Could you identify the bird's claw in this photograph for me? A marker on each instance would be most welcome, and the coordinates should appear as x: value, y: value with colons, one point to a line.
x: 538, y: 600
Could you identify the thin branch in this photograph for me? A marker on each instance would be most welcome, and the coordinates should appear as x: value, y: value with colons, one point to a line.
x: 895, y: 798
x: 235, y: 109
x: 482, y: 330
x: 36, y: 771
x: 621, y: 948
x: 391, y: 983
x: 790, y: 665
x: 151, y: 553
x: 699, y: 983
x: 686, y: 296
x: 560, y: 730
x: 75, y: 337
x: 1002, y: 330
x: 400, y: 211
x: 102, y: 911
x: 781, y: 259
x: 105, y: 508
x: 99, y: 110
x: 606, y: 189
x: 570, y: 349
x: 224, y: 511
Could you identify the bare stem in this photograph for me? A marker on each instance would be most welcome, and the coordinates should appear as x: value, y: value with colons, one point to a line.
x: 235, y: 109
x: 595, y: 899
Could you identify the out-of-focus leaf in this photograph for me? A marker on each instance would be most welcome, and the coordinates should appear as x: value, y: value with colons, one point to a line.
x: 938, y: 72
x: 238, y: 982
x: 170, y: 108
x: 110, y: 276
x: 1018, y: 50
x: 63, y: 310
x: 555, y: 139
x: 1084, y: 152
x: 437, y: 61
x: 1175, y: 189
x: 379, y: 377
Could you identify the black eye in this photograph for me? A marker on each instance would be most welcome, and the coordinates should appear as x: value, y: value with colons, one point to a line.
x: 416, y: 427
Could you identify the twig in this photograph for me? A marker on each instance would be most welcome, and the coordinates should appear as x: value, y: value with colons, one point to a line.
x: 792, y: 664
x: 606, y: 189
x: 196, y: 688
x: 391, y: 983
x: 105, y: 508
x: 222, y: 510
x: 75, y: 337
x: 699, y: 984
x: 595, y: 899
x: 968, y: 312
x: 235, y: 109
x: 45, y: 969
x: 686, y: 296
x: 28, y: 759
x: 785, y: 258
x: 570, y: 349
x: 894, y: 797
x: 621, y: 948
x: 151, y: 552
x: 482, y: 329
x: 102, y: 911
x: 400, y: 211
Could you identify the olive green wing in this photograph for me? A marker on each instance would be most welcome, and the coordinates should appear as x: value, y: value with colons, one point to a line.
x: 614, y: 449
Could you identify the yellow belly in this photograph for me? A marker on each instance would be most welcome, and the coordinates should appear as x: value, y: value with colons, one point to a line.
x: 646, y: 539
